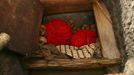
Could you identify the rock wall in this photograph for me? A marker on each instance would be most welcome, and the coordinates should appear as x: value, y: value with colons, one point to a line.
x: 115, y: 9
x: 128, y: 25
x: 10, y: 65
x: 122, y: 13
x: 20, y: 19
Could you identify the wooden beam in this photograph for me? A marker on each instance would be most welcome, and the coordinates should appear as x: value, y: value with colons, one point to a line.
x: 64, y: 6
x: 116, y: 74
x: 68, y: 63
x: 105, y: 30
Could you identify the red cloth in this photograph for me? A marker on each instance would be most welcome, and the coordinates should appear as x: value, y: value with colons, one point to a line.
x: 83, y: 37
x: 58, y: 32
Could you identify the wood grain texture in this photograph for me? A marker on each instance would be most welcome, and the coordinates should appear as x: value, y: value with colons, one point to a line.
x: 116, y: 74
x: 106, y: 34
x: 21, y: 20
x: 64, y: 6
x: 68, y: 63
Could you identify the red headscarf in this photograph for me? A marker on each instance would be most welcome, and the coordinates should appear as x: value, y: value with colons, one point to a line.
x: 83, y: 37
x: 58, y: 32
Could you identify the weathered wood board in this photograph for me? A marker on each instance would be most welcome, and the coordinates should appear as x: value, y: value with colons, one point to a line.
x: 116, y: 74
x: 84, y: 52
x: 105, y: 30
x: 21, y: 20
x: 68, y: 63
x: 64, y: 6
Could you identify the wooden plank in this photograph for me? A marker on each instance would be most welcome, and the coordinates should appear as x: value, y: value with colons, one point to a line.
x: 116, y: 74
x: 106, y: 34
x: 104, y: 10
x: 21, y: 20
x: 68, y: 63
x: 63, y: 6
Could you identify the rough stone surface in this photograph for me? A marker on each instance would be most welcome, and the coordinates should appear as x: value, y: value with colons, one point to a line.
x: 122, y: 13
x: 18, y: 18
x: 128, y: 25
x: 115, y: 11
x: 114, y: 7
x: 21, y: 20
x: 10, y: 65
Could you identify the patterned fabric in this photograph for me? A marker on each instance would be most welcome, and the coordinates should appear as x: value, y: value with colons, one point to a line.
x: 86, y: 51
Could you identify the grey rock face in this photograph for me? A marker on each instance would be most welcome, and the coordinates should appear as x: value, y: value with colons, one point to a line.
x: 122, y: 14
x: 128, y: 25
x: 115, y: 9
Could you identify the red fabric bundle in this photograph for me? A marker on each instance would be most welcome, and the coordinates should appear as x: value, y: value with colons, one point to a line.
x: 58, y: 32
x: 84, y: 37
